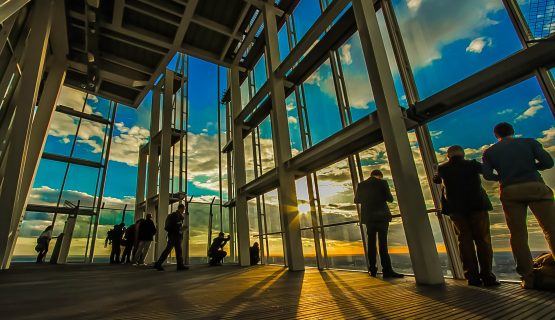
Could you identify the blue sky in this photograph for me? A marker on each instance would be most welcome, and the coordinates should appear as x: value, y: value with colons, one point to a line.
x: 444, y: 47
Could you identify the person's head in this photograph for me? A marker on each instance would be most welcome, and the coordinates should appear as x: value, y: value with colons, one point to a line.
x: 378, y: 174
x: 122, y: 224
x: 455, y: 151
x: 181, y: 208
x: 48, y: 228
x: 221, y: 234
x: 149, y: 216
x: 255, y: 244
x: 503, y: 130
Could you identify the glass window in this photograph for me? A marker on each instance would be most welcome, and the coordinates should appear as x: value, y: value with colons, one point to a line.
x: 376, y: 158
x: 199, y: 214
x: 249, y: 157
x: 260, y: 74
x: 321, y: 103
x: 447, y: 41
x: 524, y: 106
x: 305, y: 14
x: 336, y: 193
x: 294, y: 125
x: 266, y: 156
x: 344, y: 247
x: 540, y: 16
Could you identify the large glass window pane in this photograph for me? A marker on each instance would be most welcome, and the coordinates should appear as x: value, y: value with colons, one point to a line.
x: 294, y: 125
x: 447, y: 41
x: 540, y: 16
x: 199, y: 214
x: 524, y: 106
x: 344, y: 247
x: 305, y: 14
x: 336, y: 193
x: 376, y: 158
x: 321, y: 104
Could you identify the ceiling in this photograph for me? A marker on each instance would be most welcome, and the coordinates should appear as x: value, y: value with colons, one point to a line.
x: 119, y: 48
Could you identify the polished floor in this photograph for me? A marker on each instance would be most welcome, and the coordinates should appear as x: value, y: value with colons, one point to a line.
x: 261, y: 292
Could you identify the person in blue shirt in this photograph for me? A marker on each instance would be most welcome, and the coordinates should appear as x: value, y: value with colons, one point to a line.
x: 515, y: 163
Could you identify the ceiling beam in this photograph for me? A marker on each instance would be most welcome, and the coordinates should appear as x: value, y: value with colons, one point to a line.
x: 205, y: 55
x: 167, y: 18
x: 11, y: 7
x: 117, y: 16
x: 215, y: 26
x: 235, y: 30
x: 173, y: 49
x: 143, y: 35
x: 248, y: 39
x: 118, y: 37
x: 114, y: 76
x: 58, y: 36
x: 260, y: 5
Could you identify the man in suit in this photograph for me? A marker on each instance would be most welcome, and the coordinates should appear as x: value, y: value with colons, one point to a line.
x: 373, y: 194
x: 467, y: 204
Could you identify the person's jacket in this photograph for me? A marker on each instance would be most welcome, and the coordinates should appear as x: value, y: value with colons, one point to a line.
x: 174, y: 224
x: 130, y: 233
x: 147, y: 230
x: 373, y: 194
x: 217, y: 244
x: 463, y: 187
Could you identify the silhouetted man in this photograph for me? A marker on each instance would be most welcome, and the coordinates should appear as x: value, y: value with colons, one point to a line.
x: 517, y: 162
x: 114, y: 237
x: 254, y: 253
x: 216, y: 251
x: 174, y: 226
x: 128, y: 243
x: 146, y: 232
x: 373, y: 194
x: 467, y: 204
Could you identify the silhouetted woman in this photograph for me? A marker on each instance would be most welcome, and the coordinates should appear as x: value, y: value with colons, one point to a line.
x: 42, y: 243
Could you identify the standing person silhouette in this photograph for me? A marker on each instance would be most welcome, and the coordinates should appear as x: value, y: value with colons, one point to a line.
x: 467, y: 204
x: 174, y: 227
x: 42, y: 243
x: 373, y: 194
x: 517, y: 162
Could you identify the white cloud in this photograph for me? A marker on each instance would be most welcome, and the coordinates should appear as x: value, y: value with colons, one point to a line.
x: 414, y: 4
x: 49, y: 196
x: 346, y: 54
x: 477, y: 45
x: 534, y: 106
x: 439, y: 22
x: 506, y: 111
x: 292, y: 120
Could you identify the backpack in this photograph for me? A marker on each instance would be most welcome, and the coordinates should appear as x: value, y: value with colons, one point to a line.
x: 111, y: 234
x: 544, y: 272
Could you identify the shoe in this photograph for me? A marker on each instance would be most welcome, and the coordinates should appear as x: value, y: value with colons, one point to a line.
x: 182, y: 268
x: 475, y: 282
x: 158, y: 267
x: 373, y: 274
x: 491, y: 283
x: 392, y: 274
x: 527, y: 283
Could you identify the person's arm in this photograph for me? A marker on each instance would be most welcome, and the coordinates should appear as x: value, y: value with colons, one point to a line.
x: 357, y: 194
x: 388, y: 195
x: 487, y: 169
x: 545, y: 161
x: 478, y: 166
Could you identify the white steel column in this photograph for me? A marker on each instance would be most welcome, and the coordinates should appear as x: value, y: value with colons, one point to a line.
x: 141, y: 180
x: 287, y: 192
x: 165, y: 155
x: 422, y: 248
x: 39, y: 133
x: 239, y: 174
x: 152, y: 167
x: 69, y: 227
x: 24, y: 102
x: 423, y: 135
